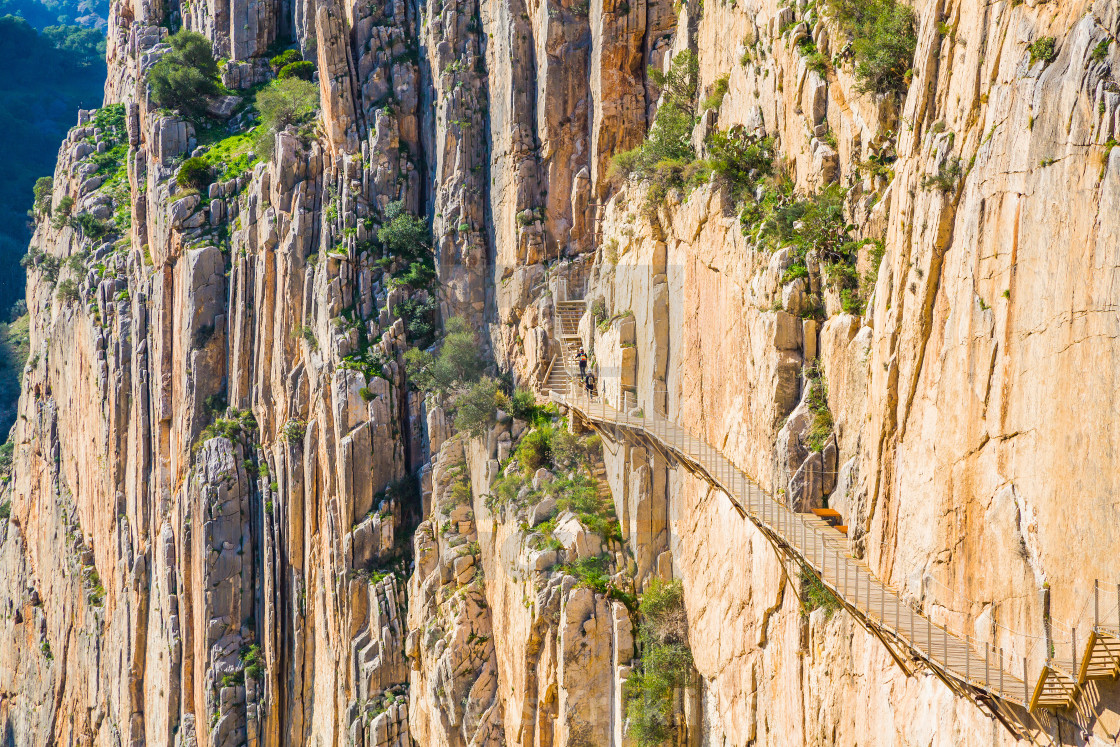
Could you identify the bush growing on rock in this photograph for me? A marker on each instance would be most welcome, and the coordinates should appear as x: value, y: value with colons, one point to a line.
x: 65, y: 206
x: 43, y: 188
x: 184, y: 77
x: 475, y: 408
x: 194, y: 174
x: 68, y: 291
x: 884, y: 37
x: 303, y: 70
x: 285, y: 58
x: 284, y: 102
x: 457, y: 365
x: 666, y: 664
x: 667, y: 150
x: 89, y: 225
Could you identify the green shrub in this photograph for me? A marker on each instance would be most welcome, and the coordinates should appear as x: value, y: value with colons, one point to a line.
x: 884, y: 37
x: 194, y: 173
x: 946, y: 177
x: 365, y: 394
x: 89, y: 225
x: 523, y: 405
x: 68, y: 291
x: 719, y: 90
x: 294, y: 430
x: 1044, y: 49
x: 535, y: 450
x: 253, y: 662
x: 814, y: 594
x: 404, y: 236
x: 65, y: 206
x: 475, y: 408
x: 667, y: 150
x: 665, y: 664
x: 283, y: 102
x: 820, y: 428
x: 301, y: 70
x: 740, y: 159
x: 5, y: 510
x: 419, y: 316
x: 43, y: 188
x: 1100, y: 51
x: 184, y: 77
x: 7, y: 453
x: 285, y: 58
x: 458, y: 363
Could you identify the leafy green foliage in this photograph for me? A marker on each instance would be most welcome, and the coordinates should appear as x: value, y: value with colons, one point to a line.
x: 666, y: 664
x: 194, y: 173
x: 667, y: 151
x: 231, y: 156
x: 1044, y: 49
x: 6, y: 506
x: 719, y: 90
x: 302, y: 70
x: 184, y: 77
x: 68, y: 291
x: 740, y: 159
x: 233, y: 427
x: 475, y: 408
x: 814, y: 594
x: 42, y: 191
x: 294, y: 430
x: 86, y: 14
x: 947, y: 176
x: 820, y: 428
x: 1100, y: 51
x: 457, y: 365
x: 284, y: 102
x: 253, y: 662
x: 883, y: 37
x: 89, y: 225
x: 285, y: 58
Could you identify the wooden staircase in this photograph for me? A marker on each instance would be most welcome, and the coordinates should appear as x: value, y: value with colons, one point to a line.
x: 565, y: 367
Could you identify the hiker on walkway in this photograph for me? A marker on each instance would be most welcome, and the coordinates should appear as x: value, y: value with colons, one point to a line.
x: 591, y: 384
x: 582, y: 358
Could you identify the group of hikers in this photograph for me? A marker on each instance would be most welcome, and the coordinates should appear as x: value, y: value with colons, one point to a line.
x: 587, y: 377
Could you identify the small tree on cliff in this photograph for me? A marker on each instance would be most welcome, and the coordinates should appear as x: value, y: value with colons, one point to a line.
x: 184, y: 77
x: 284, y: 102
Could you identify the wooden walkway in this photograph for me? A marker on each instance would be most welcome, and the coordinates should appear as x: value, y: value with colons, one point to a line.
x: 972, y: 669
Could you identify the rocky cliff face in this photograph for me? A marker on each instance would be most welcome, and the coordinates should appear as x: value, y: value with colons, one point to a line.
x: 233, y: 520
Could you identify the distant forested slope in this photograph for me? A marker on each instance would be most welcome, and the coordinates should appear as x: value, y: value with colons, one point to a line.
x: 92, y: 14
x: 48, y: 76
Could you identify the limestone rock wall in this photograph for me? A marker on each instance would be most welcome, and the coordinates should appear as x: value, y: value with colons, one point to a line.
x: 209, y: 539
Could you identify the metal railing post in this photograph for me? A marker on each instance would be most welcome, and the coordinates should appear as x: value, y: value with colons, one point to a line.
x: 1073, y: 651
x: 1026, y: 695
x: 1096, y: 603
x: 967, y: 658
x: 1001, y: 670
x: 987, y: 662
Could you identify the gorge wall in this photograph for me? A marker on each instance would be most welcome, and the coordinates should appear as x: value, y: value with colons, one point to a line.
x: 233, y: 521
